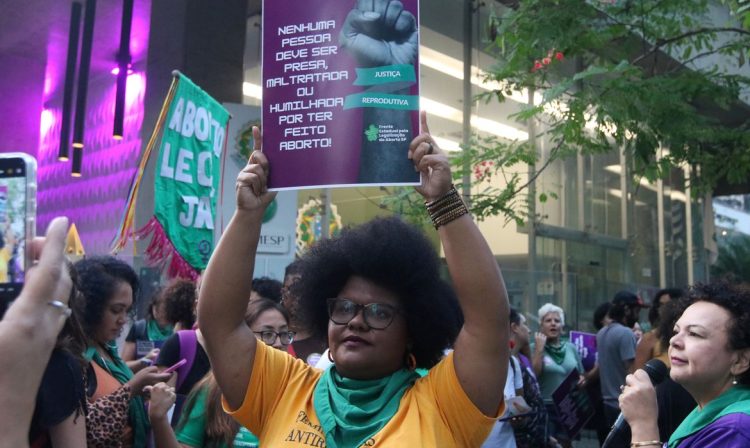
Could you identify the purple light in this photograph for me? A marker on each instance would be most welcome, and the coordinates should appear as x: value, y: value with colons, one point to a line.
x: 136, y: 90
x: 46, y: 123
x: 116, y: 71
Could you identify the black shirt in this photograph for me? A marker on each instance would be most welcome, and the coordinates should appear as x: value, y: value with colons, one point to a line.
x: 170, y: 354
x: 61, y: 393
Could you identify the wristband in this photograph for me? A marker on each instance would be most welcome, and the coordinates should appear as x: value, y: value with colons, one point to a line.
x: 446, y: 208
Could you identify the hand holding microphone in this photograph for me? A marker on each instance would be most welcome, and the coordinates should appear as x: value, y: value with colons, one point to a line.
x: 638, y: 400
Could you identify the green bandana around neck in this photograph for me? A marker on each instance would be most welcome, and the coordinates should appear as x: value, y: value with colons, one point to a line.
x: 118, y: 369
x: 556, y: 353
x: 351, y: 411
x: 157, y: 333
x: 734, y: 400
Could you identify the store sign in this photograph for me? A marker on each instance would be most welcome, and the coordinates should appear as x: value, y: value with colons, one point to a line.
x: 273, y: 242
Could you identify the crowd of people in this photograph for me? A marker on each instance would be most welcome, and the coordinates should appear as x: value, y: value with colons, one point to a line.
x: 364, y: 343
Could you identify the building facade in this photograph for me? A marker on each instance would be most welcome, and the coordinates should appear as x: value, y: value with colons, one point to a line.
x: 602, y: 232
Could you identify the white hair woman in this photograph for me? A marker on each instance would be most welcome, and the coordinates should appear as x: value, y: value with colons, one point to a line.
x: 553, y: 359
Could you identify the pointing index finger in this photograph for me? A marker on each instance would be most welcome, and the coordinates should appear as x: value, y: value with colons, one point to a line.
x: 423, y: 121
x: 256, y: 139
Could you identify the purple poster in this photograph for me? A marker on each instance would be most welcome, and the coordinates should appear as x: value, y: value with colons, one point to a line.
x: 340, y: 92
x: 572, y: 404
x: 585, y: 343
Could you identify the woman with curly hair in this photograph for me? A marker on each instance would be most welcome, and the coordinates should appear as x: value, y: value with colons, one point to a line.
x: 710, y: 357
x: 376, y: 292
x: 116, y: 416
x: 179, y: 303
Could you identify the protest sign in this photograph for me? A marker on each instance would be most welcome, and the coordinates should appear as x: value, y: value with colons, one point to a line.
x: 585, y: 343
x: 340, y: 92
x: 572, y: 404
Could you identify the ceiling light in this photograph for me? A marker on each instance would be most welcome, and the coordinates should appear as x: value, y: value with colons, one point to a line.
x: 455, y: 68
x: 483, y: 124
x: 252, y: 90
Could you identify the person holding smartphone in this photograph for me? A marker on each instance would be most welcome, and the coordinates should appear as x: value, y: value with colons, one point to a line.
x: 116, y: 416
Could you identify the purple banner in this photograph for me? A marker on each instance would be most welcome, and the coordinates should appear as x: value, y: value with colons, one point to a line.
x: 585, y: 343
x: 340, y: 92
x: 573, y: 405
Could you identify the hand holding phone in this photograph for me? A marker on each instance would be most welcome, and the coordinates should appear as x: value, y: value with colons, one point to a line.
x: 17, y: 221
x: 176, y: 366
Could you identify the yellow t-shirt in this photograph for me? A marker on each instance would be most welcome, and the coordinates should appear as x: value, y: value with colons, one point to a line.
x: 435, y: 412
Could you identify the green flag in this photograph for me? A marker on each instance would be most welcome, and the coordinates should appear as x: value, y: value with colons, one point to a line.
x: 189, y: 170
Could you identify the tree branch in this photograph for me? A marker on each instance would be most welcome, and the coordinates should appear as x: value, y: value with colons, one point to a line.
x: 551, y: 157
x: 704, y: 54
x: 662, y: 42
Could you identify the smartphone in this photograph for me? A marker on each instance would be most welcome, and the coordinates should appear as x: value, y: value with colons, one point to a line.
x: 179, y: 364
x: 17, y: 221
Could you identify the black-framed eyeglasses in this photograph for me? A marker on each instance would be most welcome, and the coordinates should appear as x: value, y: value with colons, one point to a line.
x: 269, y: 336
x: 376, y: 315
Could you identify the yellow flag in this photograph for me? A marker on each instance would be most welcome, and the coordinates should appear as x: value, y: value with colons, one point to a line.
x: 73, y: 245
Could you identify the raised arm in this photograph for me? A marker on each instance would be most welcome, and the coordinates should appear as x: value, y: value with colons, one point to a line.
x: 482, y: 348
x: 227, y: 281
x: 30, y: 326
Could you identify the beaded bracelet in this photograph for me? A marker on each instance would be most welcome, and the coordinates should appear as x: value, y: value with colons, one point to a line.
x: 446, y: 208
x: 646, y: 443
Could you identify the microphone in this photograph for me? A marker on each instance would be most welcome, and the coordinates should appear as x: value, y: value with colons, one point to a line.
x: 657, y: 372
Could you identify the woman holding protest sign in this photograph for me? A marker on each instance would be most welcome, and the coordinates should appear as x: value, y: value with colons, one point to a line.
x: 377, y: 293
x: 553, y: 360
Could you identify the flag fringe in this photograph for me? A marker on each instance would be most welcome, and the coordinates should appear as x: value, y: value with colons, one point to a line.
x: 162, y: 253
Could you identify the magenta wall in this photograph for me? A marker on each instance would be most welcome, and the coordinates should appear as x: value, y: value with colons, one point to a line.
x: 31, y: 89
x: 96, y: 200
x: 21, y: 92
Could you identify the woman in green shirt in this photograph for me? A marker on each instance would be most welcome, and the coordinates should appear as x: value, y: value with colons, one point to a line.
x: 203, y: 422
x: 553, y: 359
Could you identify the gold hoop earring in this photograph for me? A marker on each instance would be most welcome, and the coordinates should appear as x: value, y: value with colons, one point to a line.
x: 330, y: 357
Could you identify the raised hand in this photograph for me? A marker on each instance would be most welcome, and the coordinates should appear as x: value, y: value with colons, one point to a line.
x: 251, y: 188
x: 540, y: 339
x: 431, y: 162
x: 380, y: 32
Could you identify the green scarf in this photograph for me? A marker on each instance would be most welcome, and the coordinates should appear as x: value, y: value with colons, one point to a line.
x: 734, y: 400
x: 121, y: 372
x: 351, y: 411
x: 556, y: 353
x: 157, y: 333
